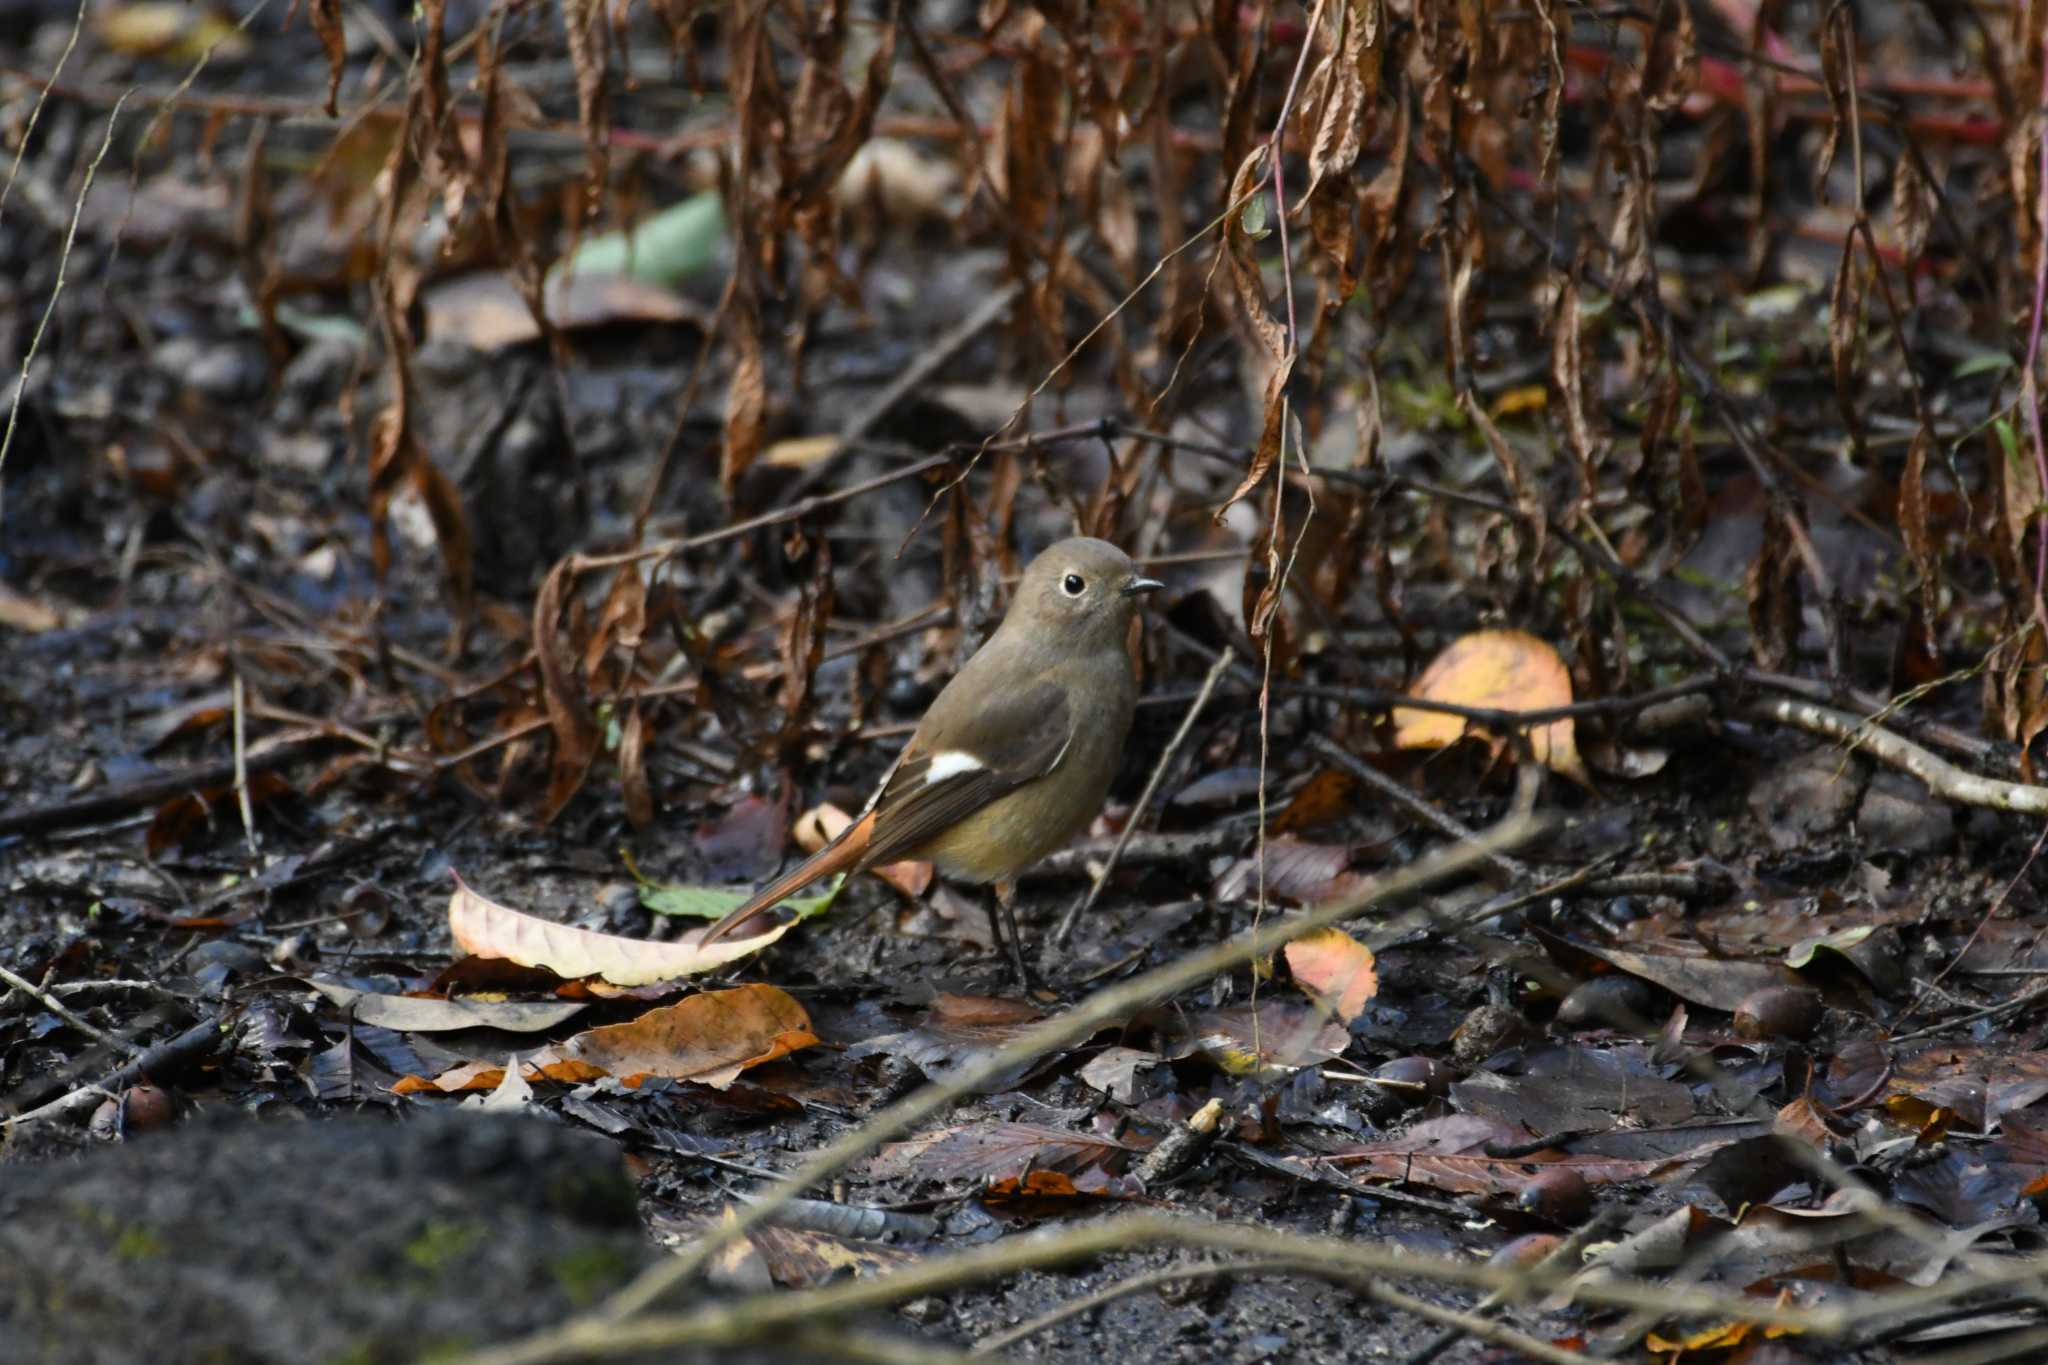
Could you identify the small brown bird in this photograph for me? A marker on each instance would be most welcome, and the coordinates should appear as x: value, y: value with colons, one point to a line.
x: 1016, y: 753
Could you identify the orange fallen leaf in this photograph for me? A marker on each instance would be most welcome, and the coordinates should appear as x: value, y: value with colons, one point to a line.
x: 1499, y: 670
x: 1336, y: 969
x: 471, y: 1077
x: 708, y: 1038
x: 1325, y: 797
x: 488, y: 929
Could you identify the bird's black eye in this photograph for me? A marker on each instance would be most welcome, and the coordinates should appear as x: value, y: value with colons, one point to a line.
x: 1073, y: 585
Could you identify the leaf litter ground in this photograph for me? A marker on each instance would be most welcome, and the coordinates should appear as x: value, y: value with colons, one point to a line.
x: 278, y: 478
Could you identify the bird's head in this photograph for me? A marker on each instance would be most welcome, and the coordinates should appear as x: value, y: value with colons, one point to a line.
x: 1081, y: 593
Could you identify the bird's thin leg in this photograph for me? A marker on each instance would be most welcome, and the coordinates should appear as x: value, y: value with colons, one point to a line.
x: 1005, y: 916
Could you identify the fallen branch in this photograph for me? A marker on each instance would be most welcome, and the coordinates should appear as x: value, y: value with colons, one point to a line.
x: 195, y: 1042
x: 769, y: 1316
x: 1941, y: 777
x: 157, y: 788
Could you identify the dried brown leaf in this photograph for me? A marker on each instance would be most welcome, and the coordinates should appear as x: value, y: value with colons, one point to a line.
x: 803, y: 637
x: 1449, y: 1154
x: 994, y: 1151
x: 1671, y: 66
x: 1913, y: 208
x: 1333, y: 108
x: 1568, y: 381
x: 709, y: 1038
x: 634, y: 790
x: 1846, y: 308
x: 1772, y: 590
x: 576, y: 732
x: 589, y: 43
x: 746, y: 394
x: 1270, y: 349
x: 325, y: 16
x: 1912, y: 518
x: 1308, y: 873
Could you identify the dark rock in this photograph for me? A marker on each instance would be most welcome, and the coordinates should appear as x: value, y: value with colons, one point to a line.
x: 1899, y: 815
x: 1808, y: 796
x: 225, y: 371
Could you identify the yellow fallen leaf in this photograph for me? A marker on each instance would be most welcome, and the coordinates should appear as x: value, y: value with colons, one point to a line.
x: 1497, y: 670
x: 164, y: 28
x: 1528, y: 398
x: 797, y: 452
x: 1336, y: 969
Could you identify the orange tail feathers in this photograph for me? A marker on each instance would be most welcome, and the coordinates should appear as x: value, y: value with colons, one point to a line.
x: 841, y: 855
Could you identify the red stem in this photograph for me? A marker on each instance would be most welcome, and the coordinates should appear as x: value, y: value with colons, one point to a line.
x: 2030, y: 388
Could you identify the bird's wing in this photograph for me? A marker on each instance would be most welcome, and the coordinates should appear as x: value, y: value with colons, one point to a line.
x: 1005, y: 742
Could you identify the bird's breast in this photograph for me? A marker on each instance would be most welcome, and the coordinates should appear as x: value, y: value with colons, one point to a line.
x: 1017, y: 829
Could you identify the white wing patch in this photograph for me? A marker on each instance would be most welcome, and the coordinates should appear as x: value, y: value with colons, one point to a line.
x: 951, y: 763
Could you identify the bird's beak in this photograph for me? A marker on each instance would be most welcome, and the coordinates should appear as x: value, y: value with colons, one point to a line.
x: 1138, y: 587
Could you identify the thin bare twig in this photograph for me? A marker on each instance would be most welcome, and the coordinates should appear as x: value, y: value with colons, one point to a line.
x: 56, y: 291
x: 35, y: 114
x: 67, y: 1014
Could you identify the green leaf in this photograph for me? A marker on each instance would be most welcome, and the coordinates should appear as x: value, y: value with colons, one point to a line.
x: 1841, y: 941
x: 1253, y: 218
x: 2007, y: 438
x: 715, y: 902
x: 667, y: 249
x: 1984, y: 362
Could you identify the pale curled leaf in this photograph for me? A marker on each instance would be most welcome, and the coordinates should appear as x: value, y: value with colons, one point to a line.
x: 423, y: 1014
x: 484, y: 927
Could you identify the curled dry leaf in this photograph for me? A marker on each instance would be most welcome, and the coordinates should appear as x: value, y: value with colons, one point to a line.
x: 994, y: 1151
x: 957, y: 1030
x: 708, y: 1038
x: 1242, y: 1040
x: 1324, y: 798
x: 1717, y: 983
x: 485, y: 309
x: 1450, y: 1154
x: 1497, y: 670
x: 1309, y: 873
x: 422, y: 1014
x: 1336, y: 969
x: 576, y: 732
x: 488, y: 929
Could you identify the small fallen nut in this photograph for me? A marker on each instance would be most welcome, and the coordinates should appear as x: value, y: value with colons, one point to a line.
x: 1778, y: 1012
